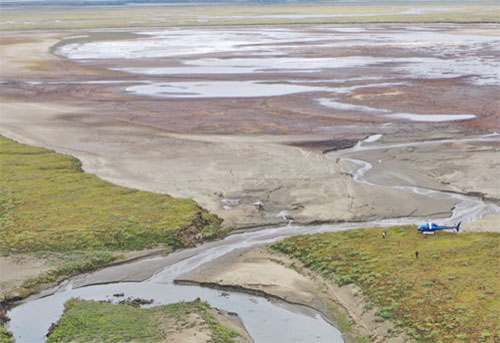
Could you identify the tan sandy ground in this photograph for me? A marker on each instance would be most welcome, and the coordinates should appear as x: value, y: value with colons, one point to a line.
x: 278, y: 275
x: 193, y: 329
x: 14, y: 270
x: 26, y: 56
x: 490, y: 223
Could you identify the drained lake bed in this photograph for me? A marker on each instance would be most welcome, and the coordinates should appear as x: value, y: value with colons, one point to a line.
x: 375, y: 65
x: 214, y: 106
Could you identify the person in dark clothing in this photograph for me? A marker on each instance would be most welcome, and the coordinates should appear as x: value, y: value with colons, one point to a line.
x: 416, y: 255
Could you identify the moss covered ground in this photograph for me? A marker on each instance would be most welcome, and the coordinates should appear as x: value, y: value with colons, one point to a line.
x: 89, y: 321
x: 49, y: 206
x: 451, y: 293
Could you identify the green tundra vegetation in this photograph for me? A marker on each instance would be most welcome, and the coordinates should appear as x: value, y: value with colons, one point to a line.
x: 90, y: 321
x: 5, y: 336
x: 50, y: 207
x: 451, y: 293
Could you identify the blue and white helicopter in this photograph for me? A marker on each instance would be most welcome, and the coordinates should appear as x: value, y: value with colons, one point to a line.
x: 431, y: 227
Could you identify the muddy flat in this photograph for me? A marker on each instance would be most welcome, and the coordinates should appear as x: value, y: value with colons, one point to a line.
x: 239, y: 119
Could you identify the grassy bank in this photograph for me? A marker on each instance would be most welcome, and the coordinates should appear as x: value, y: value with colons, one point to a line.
x: 50, y: 208
x: 450, y: 293
x: 89, y: 321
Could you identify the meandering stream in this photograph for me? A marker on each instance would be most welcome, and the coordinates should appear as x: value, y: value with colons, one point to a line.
x: 266, y: 321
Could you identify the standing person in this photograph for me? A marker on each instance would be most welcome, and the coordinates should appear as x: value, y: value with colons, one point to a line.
x: 383, y: 234
x: 416, y: 254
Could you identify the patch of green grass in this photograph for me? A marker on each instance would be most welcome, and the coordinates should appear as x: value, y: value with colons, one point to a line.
x: 89, y: 321
x: 48, y: 203
x: 450, y: 293
x: 5, y: 336
x: 342, y: 319
x: 362, y: 340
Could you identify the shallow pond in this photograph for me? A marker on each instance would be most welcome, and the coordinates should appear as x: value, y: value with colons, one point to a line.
x: 218, y: 89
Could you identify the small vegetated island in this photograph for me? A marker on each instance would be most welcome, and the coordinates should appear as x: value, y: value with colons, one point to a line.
x: 450, y: 293
x: 90, y: 321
